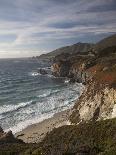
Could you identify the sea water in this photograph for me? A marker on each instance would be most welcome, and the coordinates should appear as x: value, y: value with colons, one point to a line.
x: 27, y: 97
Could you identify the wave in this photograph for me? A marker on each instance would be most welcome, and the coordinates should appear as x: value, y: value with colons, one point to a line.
x: 22, y: 125
x: 47, y: 114
x: 48, y: 93
x: 10, y: 108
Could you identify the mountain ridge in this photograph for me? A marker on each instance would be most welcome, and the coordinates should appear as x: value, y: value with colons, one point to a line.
x: 75, y: 48
x: 81, y: 47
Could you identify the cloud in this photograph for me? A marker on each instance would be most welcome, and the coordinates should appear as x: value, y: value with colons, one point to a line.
x: 31, y: 25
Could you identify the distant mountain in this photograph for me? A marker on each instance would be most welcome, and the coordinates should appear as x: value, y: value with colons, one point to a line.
x: 76, y: 48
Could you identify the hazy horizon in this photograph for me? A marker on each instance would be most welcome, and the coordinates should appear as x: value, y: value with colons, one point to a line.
x: 31, y: 28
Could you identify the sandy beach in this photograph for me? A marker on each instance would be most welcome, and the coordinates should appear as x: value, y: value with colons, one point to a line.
x: 36, y: 132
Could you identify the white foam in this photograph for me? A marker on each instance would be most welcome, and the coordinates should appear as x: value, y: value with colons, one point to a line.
x: 22, y: 125
x: 67, y: 81
x: 34, y: 74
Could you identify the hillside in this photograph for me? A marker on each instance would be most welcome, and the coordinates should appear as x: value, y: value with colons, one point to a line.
x: 93, y: 138
x: 106, y: 42
x: 76, y: 48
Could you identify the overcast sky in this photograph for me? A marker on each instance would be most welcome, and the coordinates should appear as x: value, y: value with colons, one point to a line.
x: 33, y: 27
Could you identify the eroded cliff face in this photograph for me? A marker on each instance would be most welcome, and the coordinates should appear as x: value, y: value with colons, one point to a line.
x: 97, y: 102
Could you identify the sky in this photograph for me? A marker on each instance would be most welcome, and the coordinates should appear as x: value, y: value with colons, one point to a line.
x: 34, y: 27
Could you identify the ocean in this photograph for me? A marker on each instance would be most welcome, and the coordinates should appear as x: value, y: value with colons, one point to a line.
x: 27, y: 97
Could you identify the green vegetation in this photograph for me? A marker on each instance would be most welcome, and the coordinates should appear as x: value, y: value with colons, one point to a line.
x: 16, y: 149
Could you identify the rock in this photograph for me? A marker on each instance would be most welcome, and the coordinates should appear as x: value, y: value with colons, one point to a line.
x: 9, y: 135
x: 61, y: 69
x: 8, y: 138
x: 42, y: 71
x: 72, y: 80
x: 1, y: 131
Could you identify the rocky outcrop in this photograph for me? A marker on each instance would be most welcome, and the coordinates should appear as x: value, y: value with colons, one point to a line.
x: 8, y: 137
x: 42, y: 71
x: 73, y: 67
x: 61, y: 69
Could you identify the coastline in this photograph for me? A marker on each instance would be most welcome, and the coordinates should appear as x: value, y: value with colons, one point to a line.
x: 36, y: 132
